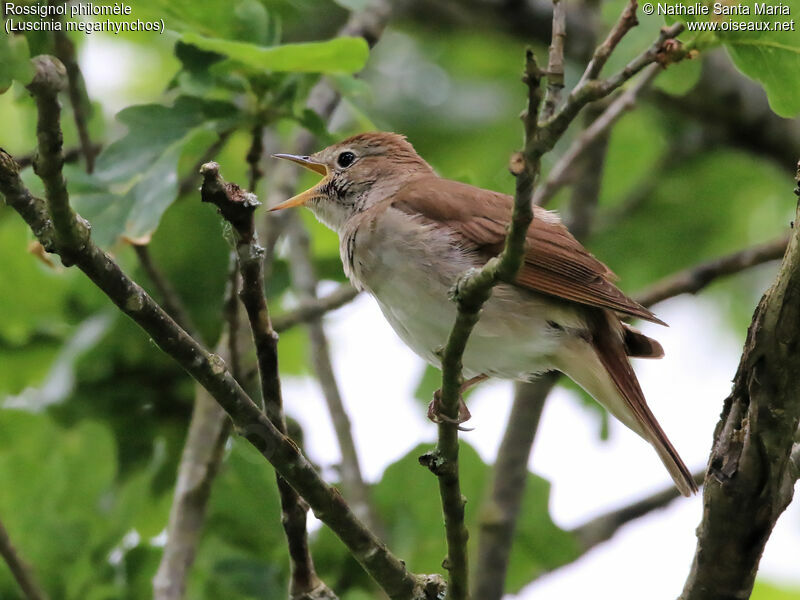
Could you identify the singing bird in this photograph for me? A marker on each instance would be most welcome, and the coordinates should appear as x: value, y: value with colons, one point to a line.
x: 406, y: 236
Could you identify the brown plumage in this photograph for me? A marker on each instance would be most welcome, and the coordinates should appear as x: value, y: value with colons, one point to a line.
x: 555, y: 262
x: 407, y: 234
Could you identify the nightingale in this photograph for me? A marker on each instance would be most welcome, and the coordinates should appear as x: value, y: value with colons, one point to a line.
x: 407, y: 235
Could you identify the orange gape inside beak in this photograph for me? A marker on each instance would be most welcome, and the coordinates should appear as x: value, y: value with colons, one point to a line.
x: 304, y: 197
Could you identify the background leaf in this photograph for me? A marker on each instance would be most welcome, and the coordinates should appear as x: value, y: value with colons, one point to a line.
x: 339, y: 55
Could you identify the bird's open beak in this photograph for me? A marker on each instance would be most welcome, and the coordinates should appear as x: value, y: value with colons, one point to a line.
x: 304, y: 197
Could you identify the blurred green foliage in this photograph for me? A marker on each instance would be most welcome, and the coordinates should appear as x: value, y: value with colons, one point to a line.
x: 93, y: 415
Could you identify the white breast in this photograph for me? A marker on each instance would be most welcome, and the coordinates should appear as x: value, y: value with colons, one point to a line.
x: 410, y: 265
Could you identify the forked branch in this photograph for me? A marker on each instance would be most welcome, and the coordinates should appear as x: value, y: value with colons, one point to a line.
x: 61, y: 230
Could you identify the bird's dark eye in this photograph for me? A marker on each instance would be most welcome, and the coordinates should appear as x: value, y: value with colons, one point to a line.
x: 345, y: 159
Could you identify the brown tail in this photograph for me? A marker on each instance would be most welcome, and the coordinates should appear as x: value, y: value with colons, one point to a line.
x: 612, y: 356
x: 601, y: 367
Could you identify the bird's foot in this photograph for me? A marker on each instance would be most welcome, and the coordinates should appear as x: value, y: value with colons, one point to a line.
x: 436, y: 415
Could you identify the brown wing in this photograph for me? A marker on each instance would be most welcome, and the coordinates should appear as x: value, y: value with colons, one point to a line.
x: 555, y: 262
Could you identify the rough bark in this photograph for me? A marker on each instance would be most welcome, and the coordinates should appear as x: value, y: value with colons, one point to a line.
x: 751, y: 475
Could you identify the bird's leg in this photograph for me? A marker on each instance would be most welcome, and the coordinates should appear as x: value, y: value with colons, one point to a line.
x: 434, y: 408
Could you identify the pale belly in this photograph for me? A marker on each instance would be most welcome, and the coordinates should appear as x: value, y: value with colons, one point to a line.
x: 518, y: 332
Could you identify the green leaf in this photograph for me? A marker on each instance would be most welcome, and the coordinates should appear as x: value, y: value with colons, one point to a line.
x: 158, y: 188
x: 15, y: 61
x: 679, y: 78
x: 339, y: 55
x: 415, y: 528
x: 772, y: 59
x: 152, y: 128
x: 137, y: 176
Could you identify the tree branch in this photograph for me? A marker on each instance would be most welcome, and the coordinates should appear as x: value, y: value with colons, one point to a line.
x: 499, y: 513
x: 237, y: 206
x: 664, y: 50
x: 751, y: 475
x: 602, y: 528
x: 697, y: 277
x: 78, y: 98
x: 470, y: 293
x: 500, y: 510
x: 627, y: 21
x: 209, y: 370
x: 309, y: 310
x: 201, y: 458
x: 555, y: 63
x: 22, y: 572
x: 304, y: 281
x: 209, y: 426
x: 200, y: 461
x: 562, y: 172
x: 71, y: 155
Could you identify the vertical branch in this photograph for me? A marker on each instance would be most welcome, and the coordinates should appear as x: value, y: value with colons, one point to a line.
x: 627, y: 21
x: 304, y: 281
x: 22, y: 572
x: 237, y: 207
x: 498, y: 517
x: 555, y: 64
x: 471, y: 291
x: 78, y: 97
x: 751, y: 474
x: 201, y: 458
x: 200, y: 461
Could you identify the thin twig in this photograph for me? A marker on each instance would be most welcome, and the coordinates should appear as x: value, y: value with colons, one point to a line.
x: 189, y: 182
x: 697, y: 277
x: 22, y: 572
x: 238, y: 208
x: 562, y: 172
x: 304, y: 281
x: 169, y: 297
x: 664, y: 50
x: 585, y: 192
x: 310, y: 310
x: 603, y: 527
x: 71, y: 155
x: 627, y: 21
x: 254, y: 156
x: 209, y: 370
x: 501, y: 508
x: 78, y: 97
x: 555, y: 64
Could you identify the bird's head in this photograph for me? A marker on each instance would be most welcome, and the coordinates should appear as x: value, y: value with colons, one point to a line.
x: 358, y: 172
